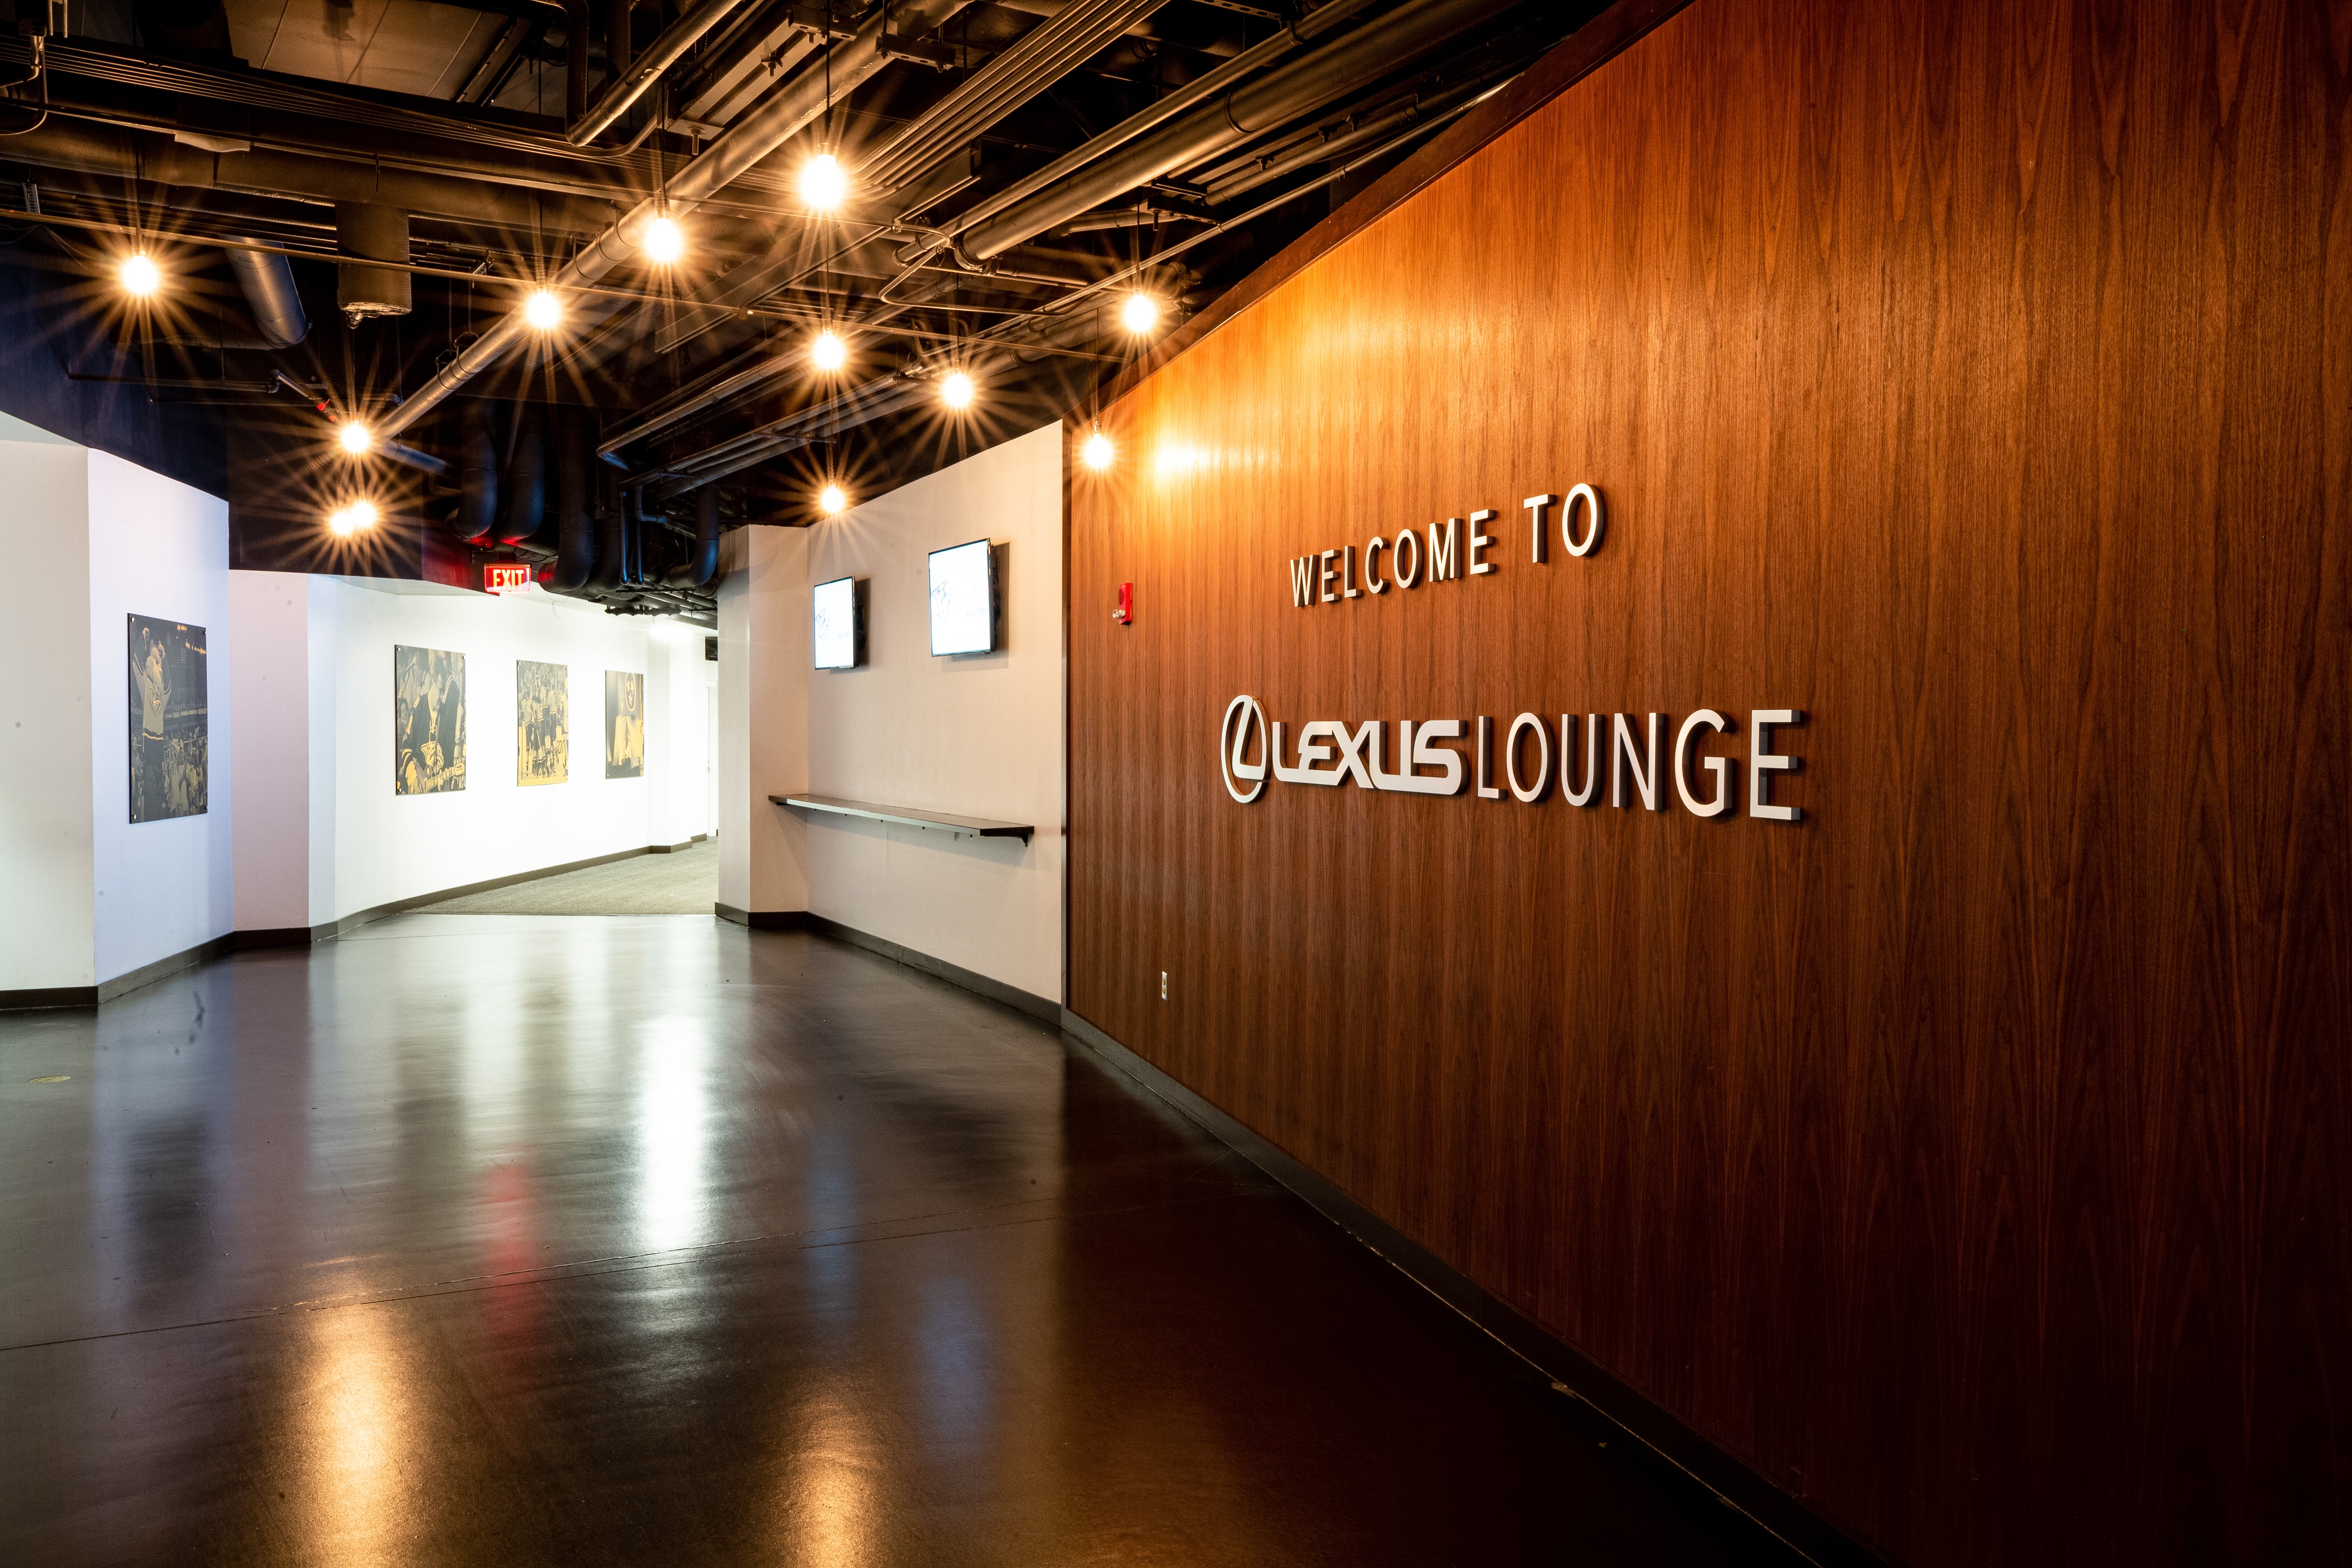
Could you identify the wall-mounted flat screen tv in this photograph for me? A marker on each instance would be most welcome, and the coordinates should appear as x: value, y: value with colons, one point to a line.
x: 963, y: 599
x: 837, y: 619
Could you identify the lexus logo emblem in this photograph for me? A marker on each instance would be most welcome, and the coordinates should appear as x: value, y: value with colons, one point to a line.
x: 1244, y: 719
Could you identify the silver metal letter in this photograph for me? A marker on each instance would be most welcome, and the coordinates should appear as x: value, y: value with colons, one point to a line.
x: 1373, y: 582
x: 1706, y: 718
x: 1590, y: 794
x: 1485, y: 755
x: 1481, y: 540
x: 1536, y: 504
x: 1445, y: 549
x: 1527, y: 790
x: 1233, y: 740
x: 1328, y: 576
x: 1286, y: 774
x: 1414, y: 750
x: 1348, y: 575
x: 1354, y: 747
x: 1644, y: 767
x: 1302, y: 582
x: 1312, y: 749
x: 1408, y: 575
x: 1762, y: 760
x: 1591, y: 500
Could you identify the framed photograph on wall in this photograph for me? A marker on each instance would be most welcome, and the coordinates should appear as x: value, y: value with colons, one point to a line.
x: 542, y: 722
x: 170, y: 742
x: 428, y: 721
x: 625, y: 725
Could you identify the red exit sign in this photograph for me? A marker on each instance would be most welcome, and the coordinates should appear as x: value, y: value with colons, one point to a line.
x: 506, y: 577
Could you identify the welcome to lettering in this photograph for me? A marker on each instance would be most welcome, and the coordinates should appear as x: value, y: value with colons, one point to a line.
x: 1328, y: 577
x: 1639, y: 765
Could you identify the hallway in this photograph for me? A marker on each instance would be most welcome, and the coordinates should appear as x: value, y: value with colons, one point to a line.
x: 650, y: 1239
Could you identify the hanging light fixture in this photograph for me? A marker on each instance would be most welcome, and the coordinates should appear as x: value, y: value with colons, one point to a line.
x: 1096, y: 452
x: 824, y: 184
x: 357, y: 517
x: 665, y: 242
x: 138, y: 276
x: 831, y: 501
x: 956, y: 390
x: 542, y: 311
x: 1140, y: 314
x: 828, y: 352
x: 355, y: 437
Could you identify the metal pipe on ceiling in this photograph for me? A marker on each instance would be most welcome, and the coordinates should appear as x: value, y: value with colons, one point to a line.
x: 1302, y: 87
x: 267, y: 284
x: 1306, y: 30
x: 137, y: 155
x: 630, y: 83
x: 775, y: 120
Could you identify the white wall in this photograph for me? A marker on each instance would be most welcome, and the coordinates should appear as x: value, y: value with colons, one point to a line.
x: 317, y: 678
x: 763, y: 693
x: 90, y: 895
x: 391, y: 846
x: 157, y: 548
x: 45, y: 810
x: 977, y: 736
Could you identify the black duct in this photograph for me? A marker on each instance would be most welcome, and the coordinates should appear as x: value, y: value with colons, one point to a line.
x: 526, y: 479
x: 703, y: 564
x: 477, y: 474
x: 268, y: 283
x: 575, y: 478
x: 613, y: 532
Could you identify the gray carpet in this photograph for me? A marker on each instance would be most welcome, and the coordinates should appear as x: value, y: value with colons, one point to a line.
x: 684, y: 883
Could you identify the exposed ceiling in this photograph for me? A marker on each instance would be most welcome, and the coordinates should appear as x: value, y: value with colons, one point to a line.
x: 1017, y: 173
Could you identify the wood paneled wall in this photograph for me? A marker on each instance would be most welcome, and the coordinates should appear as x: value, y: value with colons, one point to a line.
x: 1973, y: 1159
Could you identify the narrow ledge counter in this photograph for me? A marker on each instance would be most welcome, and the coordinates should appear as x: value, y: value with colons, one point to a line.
x: 907, y: 816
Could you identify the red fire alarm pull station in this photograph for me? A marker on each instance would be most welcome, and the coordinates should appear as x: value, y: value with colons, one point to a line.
x: 1125, y: 613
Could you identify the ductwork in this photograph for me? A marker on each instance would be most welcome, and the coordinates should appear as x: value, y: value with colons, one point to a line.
x: 613, y: 551
x: 575, y: 459
x: 703, y: 564
x: 1302, y: 87
x: 379, y: 233
x: 477, y: 475
x: 526, y: 479
x: 267, y: 282
x: 775, y: 120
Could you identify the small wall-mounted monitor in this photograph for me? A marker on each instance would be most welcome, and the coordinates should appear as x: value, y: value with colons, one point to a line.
x: 963, y: 598
x: 838, y: 620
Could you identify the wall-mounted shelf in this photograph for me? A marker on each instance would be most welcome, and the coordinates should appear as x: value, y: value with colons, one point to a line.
x: 907, y: 816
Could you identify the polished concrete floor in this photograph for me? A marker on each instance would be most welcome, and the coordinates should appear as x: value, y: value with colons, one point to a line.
x: 534, y: 1240
x: 685, y: 882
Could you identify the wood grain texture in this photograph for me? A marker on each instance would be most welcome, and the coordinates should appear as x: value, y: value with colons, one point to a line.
x: 1974, y: 1160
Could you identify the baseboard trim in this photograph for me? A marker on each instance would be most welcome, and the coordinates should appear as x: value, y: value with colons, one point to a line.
x: 1537, y: 1353
x: 31, y: 999
x: 762, y: 920
x: 1012, y: 996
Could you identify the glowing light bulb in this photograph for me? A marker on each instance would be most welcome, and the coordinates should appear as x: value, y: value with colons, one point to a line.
x: 1096, y: 451
x: 138, y: 276
x: 356, y: 518
x: 542, y: 310
x: 1140, y: 313
x: 831, y: 500
x: 355, y: 437
x: 956, y: 390
x: 664, y: 241
x: 824, y: 183
x: 828, y: 352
